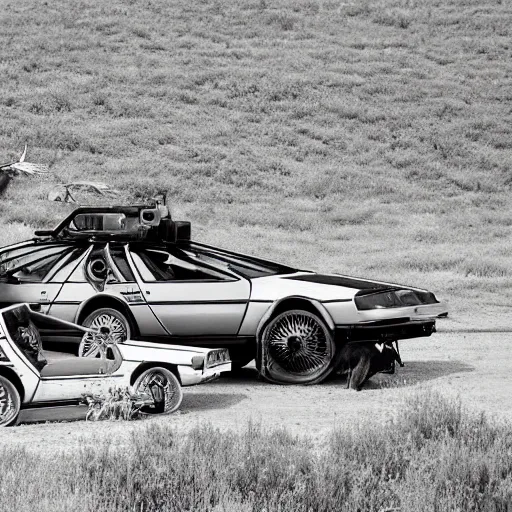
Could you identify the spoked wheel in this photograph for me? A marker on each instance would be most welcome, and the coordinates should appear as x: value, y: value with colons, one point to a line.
x: 298, y: 348
x: 111, y: 323
x: 10, y: 402
x: 163, y: 387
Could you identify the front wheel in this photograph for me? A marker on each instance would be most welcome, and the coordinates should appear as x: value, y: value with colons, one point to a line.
x: 162, y: 386
x: 111, y: 322
x: 298, y: 348
x: 10, y: 402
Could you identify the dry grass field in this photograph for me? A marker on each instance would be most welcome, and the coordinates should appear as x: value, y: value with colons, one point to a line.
x: 433, y: 437
x: 435, y: 456
x: 371, y: 138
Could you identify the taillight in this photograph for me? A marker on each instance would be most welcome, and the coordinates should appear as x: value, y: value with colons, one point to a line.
x: 379, y: 300
x: 408, y: 297
x: 393, y: 298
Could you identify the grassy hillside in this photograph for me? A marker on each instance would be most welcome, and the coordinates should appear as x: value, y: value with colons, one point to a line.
x: 372, y: 137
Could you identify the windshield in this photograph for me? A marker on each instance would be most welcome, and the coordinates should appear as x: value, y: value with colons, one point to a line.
x: 157, y: 264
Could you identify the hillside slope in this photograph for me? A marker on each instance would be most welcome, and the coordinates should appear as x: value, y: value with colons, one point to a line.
x: 371, y: 138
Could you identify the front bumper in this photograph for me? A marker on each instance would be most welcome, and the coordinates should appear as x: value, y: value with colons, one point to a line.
x: 385, y: 330
x: 190, y: 377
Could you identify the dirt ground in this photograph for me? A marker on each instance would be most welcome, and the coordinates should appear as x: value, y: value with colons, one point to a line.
x: 475, y: 366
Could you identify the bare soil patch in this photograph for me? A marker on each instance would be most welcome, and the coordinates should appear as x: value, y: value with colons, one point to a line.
x: 475, y: 366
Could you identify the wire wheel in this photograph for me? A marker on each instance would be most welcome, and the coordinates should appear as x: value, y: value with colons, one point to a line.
x: 111, y: 323
x: 10, y: 402
x: 163, y: 387
x: 298, y: 348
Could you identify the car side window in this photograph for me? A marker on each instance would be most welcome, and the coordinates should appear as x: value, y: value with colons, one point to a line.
x: 66, y: 267
x: 119, y: 258
x: 33, y: 263
x: 158, y: 265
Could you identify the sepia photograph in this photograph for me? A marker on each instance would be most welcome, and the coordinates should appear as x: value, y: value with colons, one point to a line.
x: 255, y: 256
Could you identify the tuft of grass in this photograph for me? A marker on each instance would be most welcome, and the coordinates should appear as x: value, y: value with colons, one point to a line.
x: 485, y: 268
x: 116, y: 404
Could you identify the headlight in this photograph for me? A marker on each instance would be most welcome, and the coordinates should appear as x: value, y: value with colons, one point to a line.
x: 216, y: 357
x: 197, y: 362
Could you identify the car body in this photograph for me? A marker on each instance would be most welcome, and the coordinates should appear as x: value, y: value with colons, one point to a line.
x: 41, y: 381
x: 136, y: 272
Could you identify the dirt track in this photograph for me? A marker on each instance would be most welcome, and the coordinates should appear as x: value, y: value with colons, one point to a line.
x: 476, y: 366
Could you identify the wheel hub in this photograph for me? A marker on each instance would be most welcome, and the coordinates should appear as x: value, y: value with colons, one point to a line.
x: 158, y: 388
x: 294, y: 343
x: 110, y: 325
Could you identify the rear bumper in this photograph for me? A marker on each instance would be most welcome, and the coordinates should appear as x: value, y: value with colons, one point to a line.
x: 385, y: 330
x: 190, y: 377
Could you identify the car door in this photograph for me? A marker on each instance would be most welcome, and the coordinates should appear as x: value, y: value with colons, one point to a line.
x: 73, y: 387
x: 187, y: 297
x: 24, y: 271
x: 79, y: 284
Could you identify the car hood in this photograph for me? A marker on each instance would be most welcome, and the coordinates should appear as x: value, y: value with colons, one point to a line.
x: 324, y: 287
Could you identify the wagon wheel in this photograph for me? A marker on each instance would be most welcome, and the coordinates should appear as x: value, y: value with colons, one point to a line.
x: 298, y: 348
x: 163, y: 387
x: 108, y: 321
x: 10, y: 402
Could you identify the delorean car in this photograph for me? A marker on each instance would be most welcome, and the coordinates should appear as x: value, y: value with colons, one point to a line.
x: 135, y: 271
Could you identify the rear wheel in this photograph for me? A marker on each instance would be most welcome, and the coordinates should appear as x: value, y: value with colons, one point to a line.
x: 10, y: 402
x: 163, y: 387
x: 110, y: 322
x: 298, y: 348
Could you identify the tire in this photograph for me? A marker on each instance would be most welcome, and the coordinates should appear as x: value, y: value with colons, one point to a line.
x: 110, y: 318
x: 10, y: 402
x: 298, y: 348
x: 167, y: 381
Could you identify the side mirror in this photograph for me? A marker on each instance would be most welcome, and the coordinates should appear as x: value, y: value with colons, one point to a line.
x: 43, y: 232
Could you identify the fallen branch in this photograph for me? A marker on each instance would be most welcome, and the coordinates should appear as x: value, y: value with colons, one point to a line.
x: 21, y: 166
x: 65, y: 195
x: 9, y: 169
